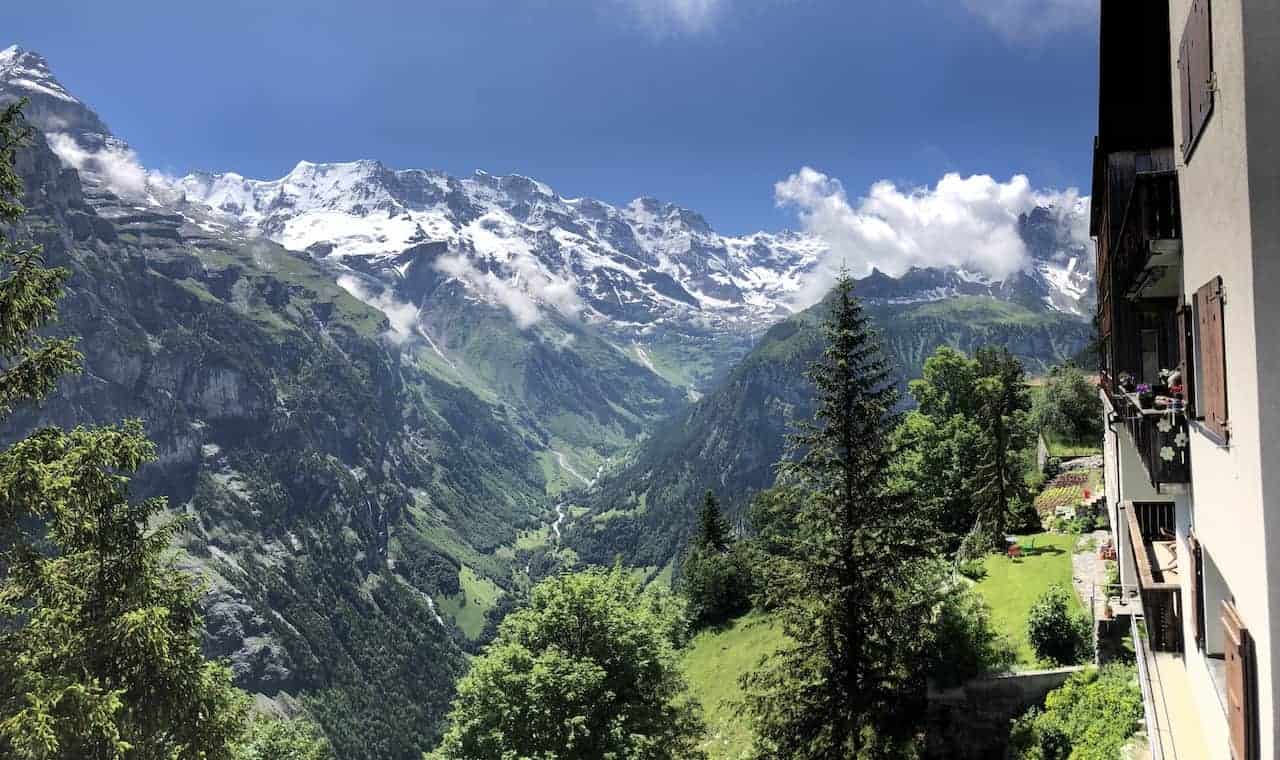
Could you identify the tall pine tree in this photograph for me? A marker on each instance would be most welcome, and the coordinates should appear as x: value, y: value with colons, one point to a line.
x: 998, y: 483
x: 848, y: 582
x: 713, y: 528
x: 99, y: 633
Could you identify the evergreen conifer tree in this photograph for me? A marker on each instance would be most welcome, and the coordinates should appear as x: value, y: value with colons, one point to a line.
x: 713, y: 528
x: 998, y: 483
x: 99, y: 633
x: 849, y: 582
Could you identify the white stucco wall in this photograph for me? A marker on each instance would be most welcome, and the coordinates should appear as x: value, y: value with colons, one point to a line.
x: 1220, y: 227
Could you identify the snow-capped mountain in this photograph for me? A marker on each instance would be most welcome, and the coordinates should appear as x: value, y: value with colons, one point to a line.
x: 515, y: 240
x: 512, y: 241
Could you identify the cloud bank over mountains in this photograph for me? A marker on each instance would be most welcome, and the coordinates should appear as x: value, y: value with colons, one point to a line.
x: 970, y: 223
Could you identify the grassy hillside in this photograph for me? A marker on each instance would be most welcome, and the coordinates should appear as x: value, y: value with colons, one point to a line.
x: 712, y: 665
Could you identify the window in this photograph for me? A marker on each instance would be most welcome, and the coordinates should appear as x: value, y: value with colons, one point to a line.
x: 1195, y: 75
x: 1211, y: 364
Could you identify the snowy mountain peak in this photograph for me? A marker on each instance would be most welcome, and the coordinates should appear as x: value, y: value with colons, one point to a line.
x: 27, y: 71
x: 513, y: 241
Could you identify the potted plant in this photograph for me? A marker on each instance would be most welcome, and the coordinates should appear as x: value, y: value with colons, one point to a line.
x: 1146, y: 396
x: 1126, y: 382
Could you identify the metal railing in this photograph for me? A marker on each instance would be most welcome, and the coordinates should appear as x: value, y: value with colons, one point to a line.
x: 1155, y: 714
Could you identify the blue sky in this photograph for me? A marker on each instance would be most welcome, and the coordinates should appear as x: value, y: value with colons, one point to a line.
x: 708, y: 103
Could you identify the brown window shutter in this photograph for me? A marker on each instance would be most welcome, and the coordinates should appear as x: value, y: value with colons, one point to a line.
x: 1241, y: 709
x: 1195, y: 572
x: 1195, y: 68
x: 1213, y: 364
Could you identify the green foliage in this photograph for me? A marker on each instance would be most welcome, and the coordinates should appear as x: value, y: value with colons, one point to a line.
x: 29, y: 291
x: 588, y: 670
x: 963, y: 454
x: 973, y: 569
x: 845, y: 569
x: 99, y: 632
x: 963, y: 642
x: 1069, y: 407
x: 715, y: 576
x: 283, y: 739
x: 714, y: 532
x: 1057, y: 634
x: 1002, y: 403
x: 1090, y: 717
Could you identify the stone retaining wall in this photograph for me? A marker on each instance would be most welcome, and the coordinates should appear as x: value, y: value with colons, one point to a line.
x: 971, y: 722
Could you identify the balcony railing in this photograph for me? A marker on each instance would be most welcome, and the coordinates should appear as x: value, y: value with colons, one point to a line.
x: 1159, y: 434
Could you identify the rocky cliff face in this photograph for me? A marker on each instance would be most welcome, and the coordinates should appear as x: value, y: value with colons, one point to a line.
x: 332, y: 485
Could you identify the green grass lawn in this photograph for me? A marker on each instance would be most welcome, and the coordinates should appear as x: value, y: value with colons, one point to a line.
x: 468, y: 609
x: 1064, y: 448
x: 1012, y: 586
x: 712, y: 664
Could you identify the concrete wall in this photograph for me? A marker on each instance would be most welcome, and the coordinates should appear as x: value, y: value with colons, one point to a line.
x: 1229, y: 229
x: 971, y: 722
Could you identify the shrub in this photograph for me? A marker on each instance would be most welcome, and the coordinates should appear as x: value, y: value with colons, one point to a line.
x: 1056, y: 635
x: 964, y: 643
x: 973, y: 569
x: 1113, y: 574
x: 1090, y: 717
x: 718, y: 585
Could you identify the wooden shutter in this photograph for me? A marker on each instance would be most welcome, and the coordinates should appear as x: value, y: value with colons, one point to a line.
x: 1241, y: 710
x: 1195, y: 70
x: 1195, y: 571
x: 1213, y: 364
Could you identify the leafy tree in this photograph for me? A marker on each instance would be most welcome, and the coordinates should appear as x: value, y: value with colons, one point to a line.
x: 1001, y: 405
x: 1069, y: 405
x: 588, y: 670
x: 945, y: 386
x: 1056, y: 635
x: 99, y: 633
x: 283, y: 739
x: 847, y: 579
x: 934, y: 467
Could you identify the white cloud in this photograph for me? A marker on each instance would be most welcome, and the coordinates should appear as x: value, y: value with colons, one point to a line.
x: 402, y: 316
x: 520, y: 293
x: 1029, y: 21
x: 115, y: 164
x: 967, y: 222
x: 666, y: 16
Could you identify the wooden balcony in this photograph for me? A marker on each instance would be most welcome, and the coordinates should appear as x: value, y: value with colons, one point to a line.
x: 1159, y: 435
x: 1155, y: 551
